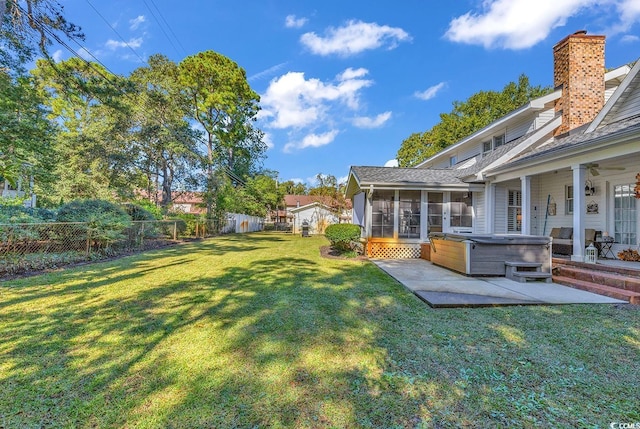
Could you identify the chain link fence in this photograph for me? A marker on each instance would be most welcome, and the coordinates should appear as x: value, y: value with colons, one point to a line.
x: 28, y: 247
x: 35, y: 246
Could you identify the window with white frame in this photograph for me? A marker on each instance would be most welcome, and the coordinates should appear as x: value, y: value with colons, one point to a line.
x: 498, y: 141
x: 625, y: 214
x: 453, y: 160
x: 487, y: 147
x: 514, y: 211
x: 568, y: 199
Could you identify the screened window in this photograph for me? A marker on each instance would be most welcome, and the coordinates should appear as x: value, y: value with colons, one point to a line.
x: 453, y: 160
x: 568, y: 199
x: 382, y: 214
x: 514, y: 211
x: 409, y: 214
x: 434, y: 212
x: 625, y: 214
x: 498, y: 141
x: 461, y: 209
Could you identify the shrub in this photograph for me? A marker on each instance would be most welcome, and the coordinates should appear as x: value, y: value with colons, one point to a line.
x: 138, y: 212
x: 105, y: 220
x: 344, y: 236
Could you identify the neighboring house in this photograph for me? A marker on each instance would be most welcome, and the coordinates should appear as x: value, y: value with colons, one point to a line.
x: 188, y: 202
x: 317, y: 215
x: 19, y: 191
x: 316, y: 209
x: 567, y: 159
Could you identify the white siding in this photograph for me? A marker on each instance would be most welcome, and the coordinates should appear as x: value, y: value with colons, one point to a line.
x: 500, y: 220
x: 519, y: 129
x: 608, y: 92
x: 629, y: 108
x: 359, y: 201
x: 479, y: 213
x: 544, y: 117
x: 469, y: 151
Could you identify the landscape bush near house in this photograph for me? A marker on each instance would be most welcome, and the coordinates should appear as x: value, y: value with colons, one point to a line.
x: 344, y: 237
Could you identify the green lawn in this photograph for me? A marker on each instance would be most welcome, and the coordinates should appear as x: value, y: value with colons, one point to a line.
x: 260, y: 331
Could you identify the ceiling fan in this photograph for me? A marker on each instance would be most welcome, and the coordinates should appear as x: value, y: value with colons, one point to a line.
x: 594, y: 169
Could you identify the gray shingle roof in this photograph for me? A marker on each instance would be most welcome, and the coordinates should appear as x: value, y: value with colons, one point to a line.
x: 579, y: 139
x: 397, y: 175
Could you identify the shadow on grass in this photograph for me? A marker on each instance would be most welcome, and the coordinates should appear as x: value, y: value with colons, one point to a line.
x: 273, y: 341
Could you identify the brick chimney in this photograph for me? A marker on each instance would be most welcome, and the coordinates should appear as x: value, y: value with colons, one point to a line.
x: 578, y: 66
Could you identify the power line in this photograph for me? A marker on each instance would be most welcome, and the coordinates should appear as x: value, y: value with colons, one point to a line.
x: 52, y: 34
x: 160, y: 25
x: 184, y: 51
x: 115, y: 31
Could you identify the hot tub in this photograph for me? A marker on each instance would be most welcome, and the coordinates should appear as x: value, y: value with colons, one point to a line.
x: 485, y: 255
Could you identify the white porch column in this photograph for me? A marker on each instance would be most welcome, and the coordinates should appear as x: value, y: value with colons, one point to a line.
x: 579, y: 209
x: 489, y: 207
x: 424, y: 211
x: 525, y: 209
x: 368, y: 212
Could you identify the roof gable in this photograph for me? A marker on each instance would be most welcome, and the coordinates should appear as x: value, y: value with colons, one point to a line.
x: 614, y: 110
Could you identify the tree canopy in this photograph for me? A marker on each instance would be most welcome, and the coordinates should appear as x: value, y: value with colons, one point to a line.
x: 467, y: 117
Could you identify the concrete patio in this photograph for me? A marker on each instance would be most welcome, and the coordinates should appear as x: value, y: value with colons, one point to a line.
x: 440, y: 287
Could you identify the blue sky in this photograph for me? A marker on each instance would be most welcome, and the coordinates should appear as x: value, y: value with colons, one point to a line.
x: 345, y: 82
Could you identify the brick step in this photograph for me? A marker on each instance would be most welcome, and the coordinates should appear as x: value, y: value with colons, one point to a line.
x: 630, y: 272
x: 598, y: 277
x: 612, y: 292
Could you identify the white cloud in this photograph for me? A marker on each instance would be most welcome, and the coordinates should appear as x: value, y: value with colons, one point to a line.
x: 629, y: 11
x: 352, y: 74
x: 136, y: 22
x: 342, y: 179
x: 520, y: 24
x: 366, y: 122
x: 268, y: 140
x: 354, y: 37
x: 296, y: 180
x: 292, y: 22
x: 270, y: 71
x: 391, y: 163
x: 114, y: 44
x: 430, y: 92
x: 57, y: 56
x: 85, y: 54
x: 294, y: 101
x: 312, y: 140
x: 629, y: 38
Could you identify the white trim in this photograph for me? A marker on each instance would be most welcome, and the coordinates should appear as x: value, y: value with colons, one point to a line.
x: 613, y: 100
x: 536, y: 104
x: 533, y: 138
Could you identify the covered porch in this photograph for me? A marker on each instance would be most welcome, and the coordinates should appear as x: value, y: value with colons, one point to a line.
x: 583, y: 197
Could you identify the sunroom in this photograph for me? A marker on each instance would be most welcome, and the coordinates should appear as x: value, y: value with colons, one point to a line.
x: 397, y: 208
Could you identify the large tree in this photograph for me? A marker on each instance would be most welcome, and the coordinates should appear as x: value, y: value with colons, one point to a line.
x: 224, y: 105
x: 467, y: 117
x: 168, y: 145
x: 25, y: 132
x: 95, y: 157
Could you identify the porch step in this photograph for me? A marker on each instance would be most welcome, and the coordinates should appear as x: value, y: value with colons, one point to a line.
x: 627, y: 281
x: 524, y: 276
x: 610, y: 291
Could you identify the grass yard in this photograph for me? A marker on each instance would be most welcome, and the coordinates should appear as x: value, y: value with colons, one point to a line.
x: 259, y: 331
